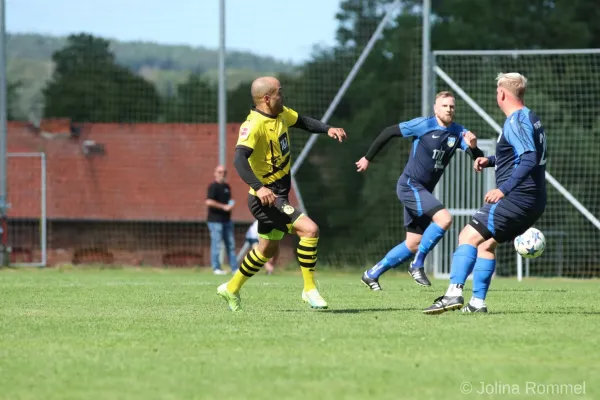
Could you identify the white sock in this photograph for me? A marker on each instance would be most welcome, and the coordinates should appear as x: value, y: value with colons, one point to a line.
x: 454, y: 290
x: 478, y: 303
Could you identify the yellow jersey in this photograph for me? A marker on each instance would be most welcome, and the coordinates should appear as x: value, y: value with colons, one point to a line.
x: 268, y: 137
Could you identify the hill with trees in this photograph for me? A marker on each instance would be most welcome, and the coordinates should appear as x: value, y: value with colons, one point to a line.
x: 30, y: 66
x: 97, y: 80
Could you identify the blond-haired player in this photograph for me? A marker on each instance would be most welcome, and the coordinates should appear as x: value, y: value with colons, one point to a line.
x: 509, y: 210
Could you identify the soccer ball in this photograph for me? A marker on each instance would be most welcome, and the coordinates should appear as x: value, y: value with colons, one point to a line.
x: 530, y: 244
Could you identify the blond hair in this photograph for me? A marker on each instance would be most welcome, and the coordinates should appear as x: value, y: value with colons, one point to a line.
x: 514, y: 82
x: 444, y: 94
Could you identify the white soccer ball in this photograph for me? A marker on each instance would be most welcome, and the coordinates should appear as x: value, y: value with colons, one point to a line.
x: 530, y: 244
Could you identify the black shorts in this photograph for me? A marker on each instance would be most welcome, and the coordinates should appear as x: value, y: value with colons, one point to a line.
x: 273, y: 221
x: 504, y: 220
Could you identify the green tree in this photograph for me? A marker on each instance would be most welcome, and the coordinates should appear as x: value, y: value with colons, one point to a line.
x: 239, y: 103
x: 12, y: 97
x: 196, y: 101
x: 387, y: 90
x: 88, y: 86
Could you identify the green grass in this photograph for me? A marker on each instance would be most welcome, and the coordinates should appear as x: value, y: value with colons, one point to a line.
x: 164, y: 334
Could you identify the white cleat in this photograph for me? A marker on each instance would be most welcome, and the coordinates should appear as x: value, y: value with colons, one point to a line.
x: 314, y: 299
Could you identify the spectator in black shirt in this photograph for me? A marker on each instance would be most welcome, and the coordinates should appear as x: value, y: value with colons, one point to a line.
x: 219, y: 221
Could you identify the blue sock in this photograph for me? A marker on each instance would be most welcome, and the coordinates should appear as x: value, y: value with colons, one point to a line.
x: 432, y: 235
x: 393, y: 258
x: 482, y: 277
x: 463, y: 262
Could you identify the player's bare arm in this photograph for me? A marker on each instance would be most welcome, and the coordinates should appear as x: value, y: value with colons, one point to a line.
x: 245, y: 172
x: 379, y: 143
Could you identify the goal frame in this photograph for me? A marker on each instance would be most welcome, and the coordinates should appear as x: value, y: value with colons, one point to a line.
x: 43, y: 216
x: 439, y: 72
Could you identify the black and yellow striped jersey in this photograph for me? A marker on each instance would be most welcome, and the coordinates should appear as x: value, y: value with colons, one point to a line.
x: 268, y: 137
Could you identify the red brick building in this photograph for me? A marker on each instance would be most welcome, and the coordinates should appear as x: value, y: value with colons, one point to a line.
x: 140, y: 201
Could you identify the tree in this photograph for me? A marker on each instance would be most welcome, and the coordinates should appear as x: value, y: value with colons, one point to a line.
x: 239, y: 103
x: 87, y: 86
x: 387, y: 90
x: 12, y: 97
x: 196, y: 101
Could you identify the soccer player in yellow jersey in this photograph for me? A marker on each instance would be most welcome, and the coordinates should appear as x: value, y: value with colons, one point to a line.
x: 262, y: 159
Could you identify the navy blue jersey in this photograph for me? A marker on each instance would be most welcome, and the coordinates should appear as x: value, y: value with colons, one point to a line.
x: 522, y: 133
x: 432, y: 150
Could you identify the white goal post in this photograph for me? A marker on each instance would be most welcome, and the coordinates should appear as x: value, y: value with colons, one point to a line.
x: 538, y: 65
x: 27, y: 219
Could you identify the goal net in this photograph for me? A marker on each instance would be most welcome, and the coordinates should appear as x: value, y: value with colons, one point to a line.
x: 564, y: 90
x: 130, y: 132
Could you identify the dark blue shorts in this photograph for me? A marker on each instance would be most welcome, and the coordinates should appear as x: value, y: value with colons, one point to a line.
x: 504, y: 220
x: 419, y: 205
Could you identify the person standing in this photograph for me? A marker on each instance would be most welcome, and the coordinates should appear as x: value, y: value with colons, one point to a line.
x: 220, y: 225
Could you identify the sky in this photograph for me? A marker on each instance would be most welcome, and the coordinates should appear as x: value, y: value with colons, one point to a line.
x: 284, y: 29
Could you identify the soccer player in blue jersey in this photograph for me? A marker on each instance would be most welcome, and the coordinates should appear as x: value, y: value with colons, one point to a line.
x: 435, y: 140
x: 511, y: 209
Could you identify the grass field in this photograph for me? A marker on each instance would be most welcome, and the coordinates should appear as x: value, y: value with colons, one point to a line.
x: 164, y: 334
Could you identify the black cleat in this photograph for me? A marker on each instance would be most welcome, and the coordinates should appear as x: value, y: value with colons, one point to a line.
x: 418, y: 274
x: 445, y: 303
x: 372, y: 284
x: 471, y: 309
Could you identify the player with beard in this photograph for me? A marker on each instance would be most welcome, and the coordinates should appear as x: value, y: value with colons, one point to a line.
x: 426, y: 220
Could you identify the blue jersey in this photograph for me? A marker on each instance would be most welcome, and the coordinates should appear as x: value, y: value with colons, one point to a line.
x: 522, y: 133
x: 432, y: 149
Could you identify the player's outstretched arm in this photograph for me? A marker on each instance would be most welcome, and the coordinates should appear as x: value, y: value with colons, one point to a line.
x: 378, y: 144
x: 474, y: 153
x: 242, y: 166
x: 312, y: 125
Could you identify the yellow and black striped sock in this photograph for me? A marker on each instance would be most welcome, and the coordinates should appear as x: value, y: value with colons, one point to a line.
x: 252, y: 263
x: 307, y: 257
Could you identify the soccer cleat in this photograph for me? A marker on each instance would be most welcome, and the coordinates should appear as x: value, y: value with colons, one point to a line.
x: 371, y: 283
x: 219, y: 271
x: 445, y: 303
x: 233, y: 299
x: 313, y: 298
x: 472, y: 309
x: 418, y: 274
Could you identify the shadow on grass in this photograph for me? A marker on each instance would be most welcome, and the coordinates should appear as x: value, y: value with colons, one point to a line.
x: 414, y: 309
x: 550, y: 312
x: 356, y: 310
x: 529, y: 289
